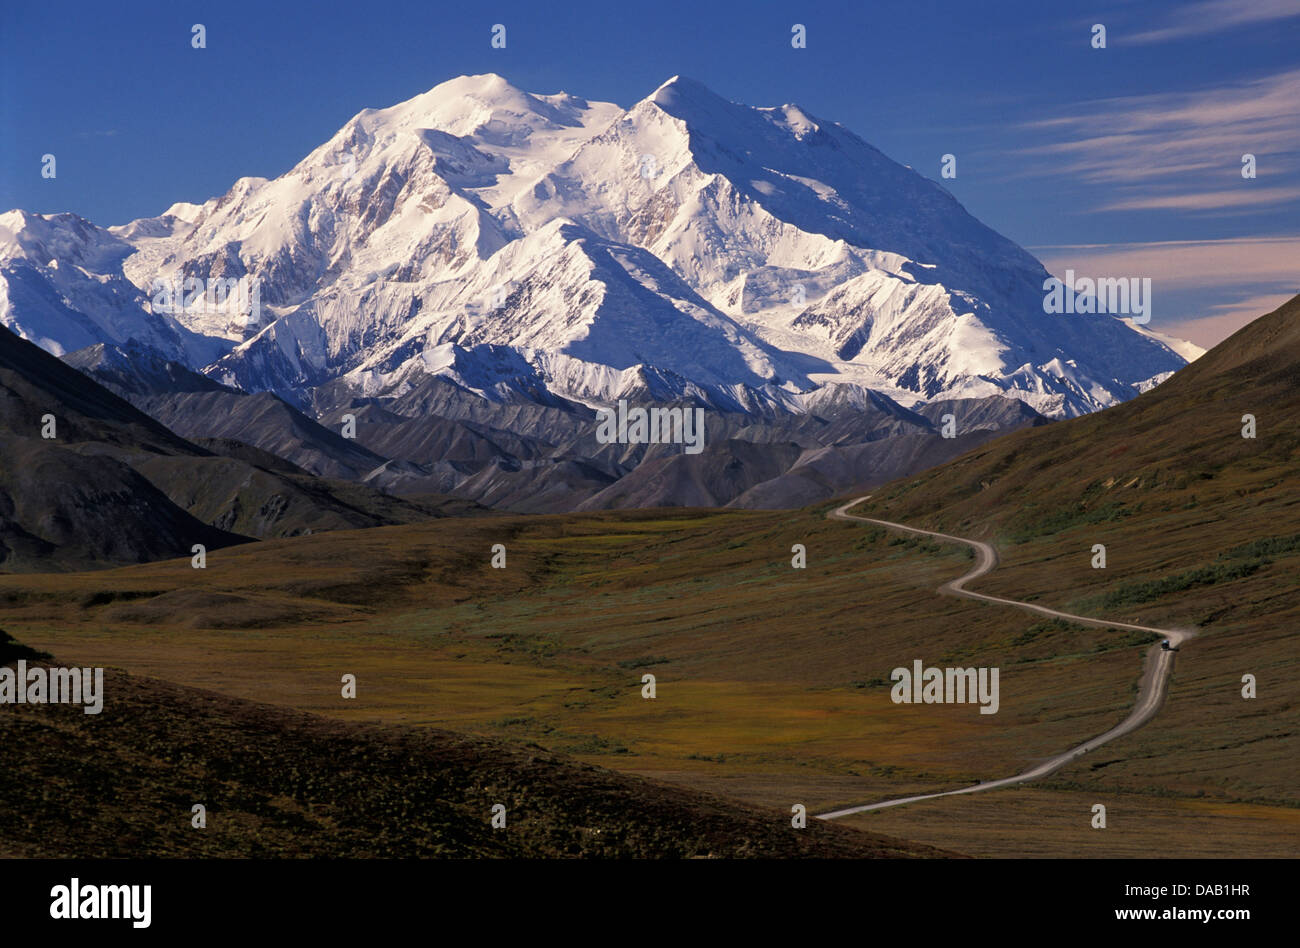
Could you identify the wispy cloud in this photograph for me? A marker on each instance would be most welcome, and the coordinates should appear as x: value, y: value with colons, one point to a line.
x: 1205, y: 200
x: 1213, y: 16
x: 1190, y: 263
x: 1208, y: 289
x: 1180, y: 150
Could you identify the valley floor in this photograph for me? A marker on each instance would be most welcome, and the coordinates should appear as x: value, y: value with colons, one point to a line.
x: 771, y: 682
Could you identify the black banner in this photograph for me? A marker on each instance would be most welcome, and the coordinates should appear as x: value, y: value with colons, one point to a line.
x: 670, y: 899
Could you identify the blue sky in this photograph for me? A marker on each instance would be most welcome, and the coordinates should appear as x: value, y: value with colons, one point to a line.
x: 1124, y: 160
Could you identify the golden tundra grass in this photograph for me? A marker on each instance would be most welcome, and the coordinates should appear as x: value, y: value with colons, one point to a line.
x: 772, y: 682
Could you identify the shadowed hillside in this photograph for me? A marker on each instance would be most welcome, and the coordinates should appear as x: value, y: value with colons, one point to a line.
x: 113, y: 486
x: 1177, y: 450
x: 276, y: 783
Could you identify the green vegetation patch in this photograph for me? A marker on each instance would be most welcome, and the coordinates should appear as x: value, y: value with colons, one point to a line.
x: 1264, y: 549
x: 1148, y: 590
x: 1033, y: 524
x: 644, y: 661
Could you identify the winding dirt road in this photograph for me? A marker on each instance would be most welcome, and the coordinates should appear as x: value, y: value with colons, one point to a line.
x: 1151, y: 692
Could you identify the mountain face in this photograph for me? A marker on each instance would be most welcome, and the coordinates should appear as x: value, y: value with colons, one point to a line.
x: 62, y: 286
x: 525, y: 456
x: 464, y: 280
x: 686, y: 247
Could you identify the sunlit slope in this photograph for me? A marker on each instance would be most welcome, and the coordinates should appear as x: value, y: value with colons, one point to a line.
x: 1201, y: 529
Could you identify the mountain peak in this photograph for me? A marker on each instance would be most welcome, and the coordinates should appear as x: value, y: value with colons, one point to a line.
x: 482, y: 84
x: 682, y: 92
x: 694, y: 103
x: 773, y: 243
x: 484, y: 106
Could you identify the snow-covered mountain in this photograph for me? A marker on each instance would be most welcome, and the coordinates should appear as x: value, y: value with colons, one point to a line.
x: 62, y: 287
x: 755, y: 259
